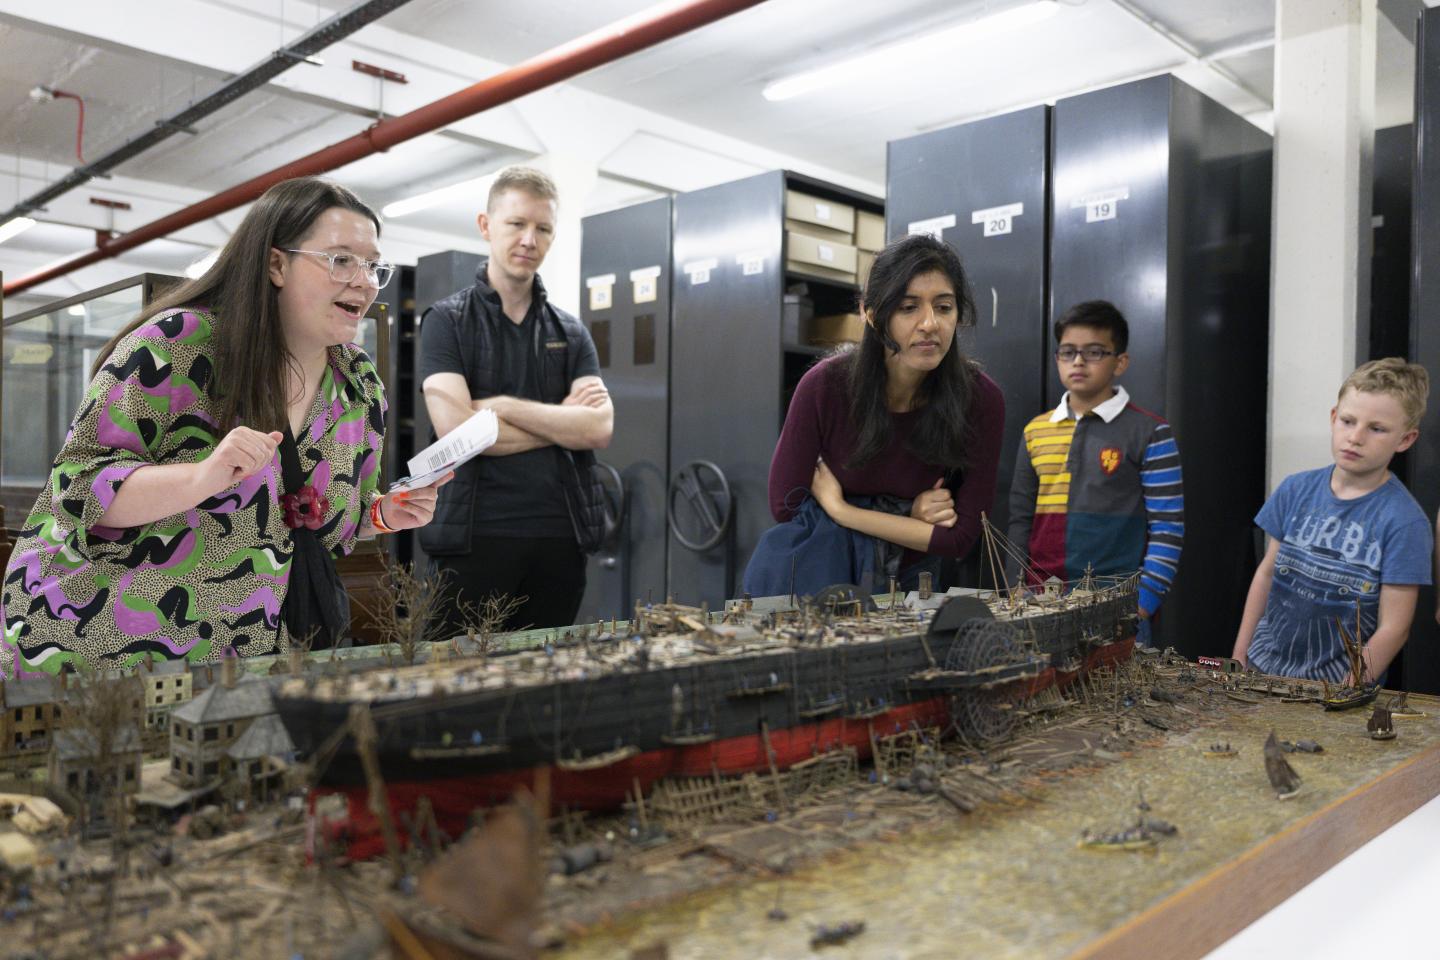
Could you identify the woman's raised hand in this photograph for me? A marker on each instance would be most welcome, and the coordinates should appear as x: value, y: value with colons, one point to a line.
x: 241, y: 453
x: 936, y: 505
x: 407, y: 509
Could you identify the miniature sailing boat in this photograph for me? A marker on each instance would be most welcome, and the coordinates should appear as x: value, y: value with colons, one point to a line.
x: 1400, y: 708
x: 1360, y: 690
x: 1379, y: 724
x: 1282, y: 776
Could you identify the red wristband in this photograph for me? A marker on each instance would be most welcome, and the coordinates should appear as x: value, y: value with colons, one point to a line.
x: 375, y: 520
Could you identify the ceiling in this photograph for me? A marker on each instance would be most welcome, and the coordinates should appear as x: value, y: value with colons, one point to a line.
x: 681, y: 114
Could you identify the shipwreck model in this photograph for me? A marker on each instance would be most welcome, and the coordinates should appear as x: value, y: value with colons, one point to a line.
x: 676, y: 695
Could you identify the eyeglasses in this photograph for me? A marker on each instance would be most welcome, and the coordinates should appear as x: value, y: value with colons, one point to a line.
x: 1068, y: 353
x: 345, y: 267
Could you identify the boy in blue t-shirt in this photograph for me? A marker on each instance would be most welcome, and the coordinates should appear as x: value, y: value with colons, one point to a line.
x: 1341, y: 535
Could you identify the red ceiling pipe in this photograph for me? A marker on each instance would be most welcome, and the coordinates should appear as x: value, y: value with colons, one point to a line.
x: 595, y: 49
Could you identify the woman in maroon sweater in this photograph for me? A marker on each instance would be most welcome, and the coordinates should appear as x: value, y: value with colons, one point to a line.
x: 905, y: 414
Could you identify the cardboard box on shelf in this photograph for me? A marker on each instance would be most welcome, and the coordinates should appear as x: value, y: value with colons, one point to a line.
x: 837, y: 328
x: 869, y: 231
x: 864, y: 260
x: 820, y: 258
x: 819, y: 218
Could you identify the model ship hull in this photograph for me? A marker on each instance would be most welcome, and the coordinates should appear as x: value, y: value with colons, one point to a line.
x: 601, y: 737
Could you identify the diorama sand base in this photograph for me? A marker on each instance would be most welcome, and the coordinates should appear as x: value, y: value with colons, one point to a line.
x: 1011, y: 882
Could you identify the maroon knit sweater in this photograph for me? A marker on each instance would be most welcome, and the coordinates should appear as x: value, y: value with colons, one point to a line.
x: 818, y: 426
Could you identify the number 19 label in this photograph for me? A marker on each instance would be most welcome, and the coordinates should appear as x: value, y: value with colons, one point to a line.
x: 1100, y: 210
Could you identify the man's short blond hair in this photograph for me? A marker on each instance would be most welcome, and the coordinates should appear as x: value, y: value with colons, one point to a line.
x: 528, y: 179
x: 1406, y: 382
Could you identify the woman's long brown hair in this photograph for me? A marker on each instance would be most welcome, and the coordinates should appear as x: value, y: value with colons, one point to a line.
x: 248, y: 343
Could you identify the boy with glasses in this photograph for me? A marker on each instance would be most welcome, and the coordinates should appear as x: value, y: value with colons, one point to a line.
x: 1097, y: 485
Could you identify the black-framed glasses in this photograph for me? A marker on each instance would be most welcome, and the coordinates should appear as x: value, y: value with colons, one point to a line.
x: 345, y: 267
x: 1068, y: 353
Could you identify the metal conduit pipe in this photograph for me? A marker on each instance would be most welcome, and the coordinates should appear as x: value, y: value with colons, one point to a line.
x: 602, y: 46
x: 336, y: 28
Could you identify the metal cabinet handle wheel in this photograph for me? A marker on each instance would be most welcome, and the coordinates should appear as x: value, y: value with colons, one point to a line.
x: 699, y: 505
x: 615, y: 506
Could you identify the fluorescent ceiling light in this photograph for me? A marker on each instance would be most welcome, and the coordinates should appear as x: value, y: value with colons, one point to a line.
x: 197, y: 269
x: 921, y: 49
x: 472, y: 193
x: 14, y: 227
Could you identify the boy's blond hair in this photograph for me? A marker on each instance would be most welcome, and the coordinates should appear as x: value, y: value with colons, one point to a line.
x: 1406, y: 382
x: 526, y: 179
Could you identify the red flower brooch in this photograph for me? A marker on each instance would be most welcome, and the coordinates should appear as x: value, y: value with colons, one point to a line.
x: 305, y: 508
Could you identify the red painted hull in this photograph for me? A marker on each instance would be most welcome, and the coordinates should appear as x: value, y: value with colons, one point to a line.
x: 453, y: 799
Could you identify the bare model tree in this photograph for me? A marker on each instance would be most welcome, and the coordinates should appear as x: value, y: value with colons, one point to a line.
x: 101, y: 719
x: 484, y: 619
x: 407, y: 608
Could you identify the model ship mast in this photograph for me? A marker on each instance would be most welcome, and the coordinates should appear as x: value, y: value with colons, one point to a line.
x: 1360, y: 690
x: 998, y: 550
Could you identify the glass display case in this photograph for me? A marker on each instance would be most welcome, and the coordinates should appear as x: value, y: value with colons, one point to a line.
x: 47, y: 356
x: 48, y: 352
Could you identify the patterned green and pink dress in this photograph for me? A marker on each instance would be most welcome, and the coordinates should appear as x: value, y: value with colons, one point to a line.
x: 204, y: 580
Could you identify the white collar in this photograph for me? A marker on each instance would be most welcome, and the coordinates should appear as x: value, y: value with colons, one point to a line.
x: 1106, y: 411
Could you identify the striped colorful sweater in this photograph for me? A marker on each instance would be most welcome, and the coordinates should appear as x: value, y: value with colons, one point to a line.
x: 1102, y: 492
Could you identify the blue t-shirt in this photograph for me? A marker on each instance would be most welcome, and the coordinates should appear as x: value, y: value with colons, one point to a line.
x: 1333, y: 552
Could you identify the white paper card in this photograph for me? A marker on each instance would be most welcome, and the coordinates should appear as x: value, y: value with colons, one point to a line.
x: 699, y: 270
x: 934, y: 227
x: 751, y: 263
x: 998, y: 221
x: 1102, y: 204
x: 464, y: 443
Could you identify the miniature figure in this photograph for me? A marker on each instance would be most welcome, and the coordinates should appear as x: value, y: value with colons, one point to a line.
x: 1221, y: 750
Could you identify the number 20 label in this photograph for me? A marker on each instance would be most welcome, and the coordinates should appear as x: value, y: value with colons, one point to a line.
x: 997, y: 226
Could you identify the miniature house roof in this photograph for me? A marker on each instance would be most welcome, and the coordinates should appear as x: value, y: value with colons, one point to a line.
x: 163, y: 668
x: 81, y: 744
x: 265, y: 737
x: 250, y: 697
x: 31, y: 691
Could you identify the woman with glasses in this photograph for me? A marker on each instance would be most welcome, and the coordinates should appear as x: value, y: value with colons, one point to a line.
x: 227, y: 449
x: 896, y: 440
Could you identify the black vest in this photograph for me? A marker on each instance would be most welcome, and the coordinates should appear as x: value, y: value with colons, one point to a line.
x: 555, y: 349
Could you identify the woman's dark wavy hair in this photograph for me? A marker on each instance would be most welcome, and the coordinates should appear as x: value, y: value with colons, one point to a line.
x: 248, y: 343
x: 942, y: 435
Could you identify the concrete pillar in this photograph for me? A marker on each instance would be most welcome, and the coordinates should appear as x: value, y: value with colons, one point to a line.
x: 1320, y: 260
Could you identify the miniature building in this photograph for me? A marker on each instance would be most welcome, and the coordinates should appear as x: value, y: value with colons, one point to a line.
x: 32, y: 707
x: 75, y: 757
x: 258, y: 759
x: 168, y: 684
x: 1053, y: 587
x: 203, y: 730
